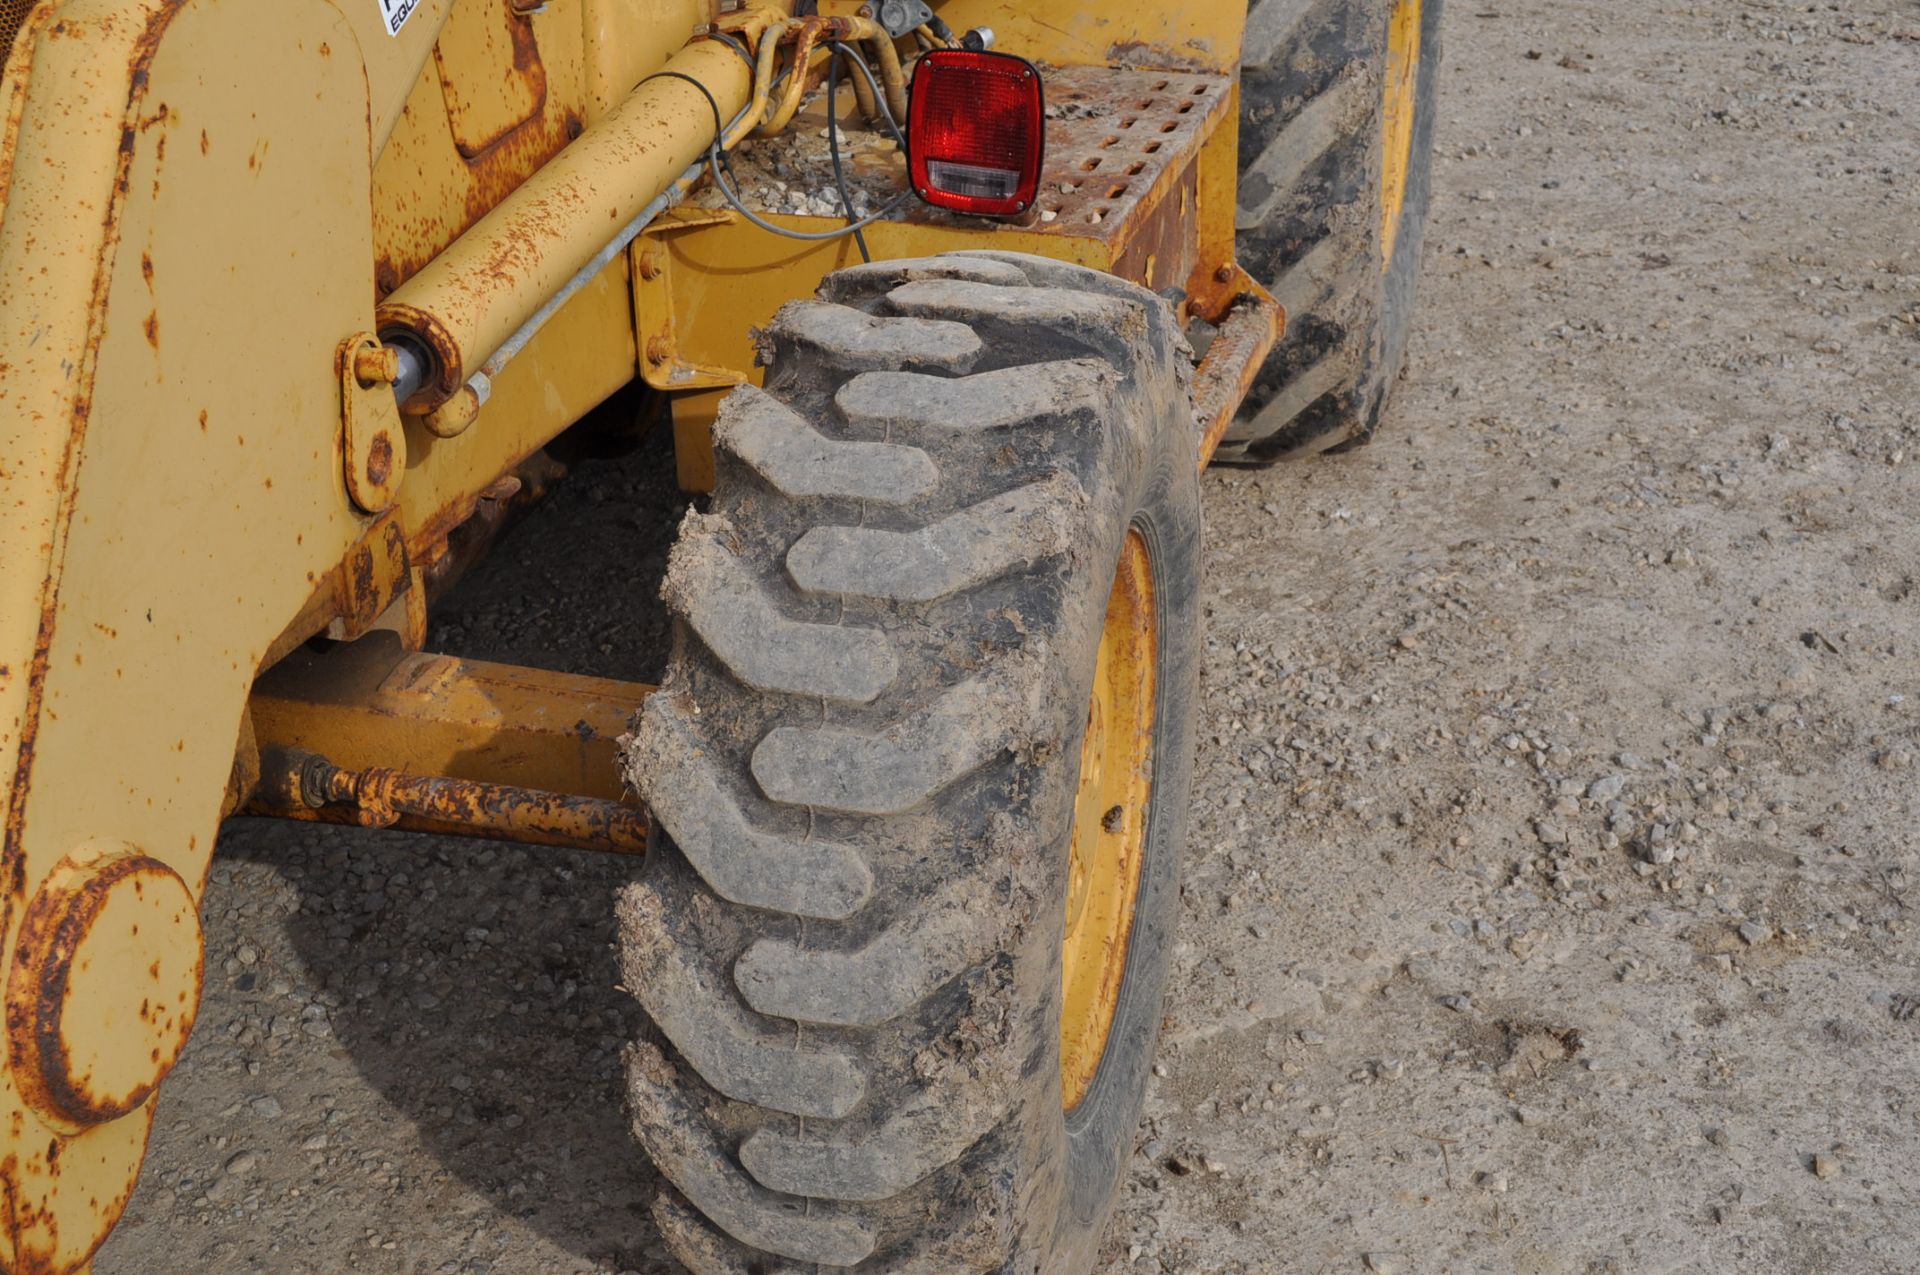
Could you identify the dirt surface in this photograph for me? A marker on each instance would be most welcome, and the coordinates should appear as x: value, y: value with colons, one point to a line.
x: 1550, y: 907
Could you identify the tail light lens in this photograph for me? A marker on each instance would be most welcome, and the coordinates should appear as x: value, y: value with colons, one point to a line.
x: 976, y: 131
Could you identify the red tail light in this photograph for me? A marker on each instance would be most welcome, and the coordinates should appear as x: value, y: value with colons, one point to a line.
x: 976, y: 131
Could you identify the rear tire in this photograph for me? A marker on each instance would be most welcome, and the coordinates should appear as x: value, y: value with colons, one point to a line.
x: 1313, y: 223
x: 863, y: 766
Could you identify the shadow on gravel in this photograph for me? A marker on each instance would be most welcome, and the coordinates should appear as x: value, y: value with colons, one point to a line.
x: 477, y: 982
x: 477, y: 993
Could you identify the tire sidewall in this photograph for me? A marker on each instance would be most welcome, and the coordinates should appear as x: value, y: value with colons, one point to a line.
x: 1162, y: 499
x: 1403, y: 272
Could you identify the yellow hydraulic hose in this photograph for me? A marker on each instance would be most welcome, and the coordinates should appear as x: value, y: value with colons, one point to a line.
x: 892, y: 78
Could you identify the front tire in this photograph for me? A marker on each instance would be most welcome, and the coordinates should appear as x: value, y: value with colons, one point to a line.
x: 865, y: 760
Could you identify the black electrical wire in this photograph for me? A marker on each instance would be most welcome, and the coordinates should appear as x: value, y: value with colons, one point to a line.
x: 720, y: 167
x: 833, y: 147
x: 733, y: 198
x: 711, y: 101
x: 734, y: 43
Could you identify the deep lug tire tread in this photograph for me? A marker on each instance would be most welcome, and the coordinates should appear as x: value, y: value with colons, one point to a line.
x: 1309, y: 225
x: 861, y: 765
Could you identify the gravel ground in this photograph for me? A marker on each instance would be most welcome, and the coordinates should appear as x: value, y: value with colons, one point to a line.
x: 1549, y: 904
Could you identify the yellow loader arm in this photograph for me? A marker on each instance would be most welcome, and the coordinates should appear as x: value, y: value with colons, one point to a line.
x: 187, y: 240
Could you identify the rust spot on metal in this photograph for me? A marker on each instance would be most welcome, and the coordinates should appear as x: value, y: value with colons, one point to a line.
x: 429, y: 330
x: 404, y: 243
x: 302, y: 785
x: 1231, y: 363
x: 345, y: 601
x: 55, y: 927
x: 380, y: 459
x: 1155, y: 57
x: 15, y: 861
x: 374, y: 572
x: 1122, y: 152
x: 524, y: 74
x: 360, y: 579
x: 526, y: 54
x: 376, y: 365
x: 12, y: 834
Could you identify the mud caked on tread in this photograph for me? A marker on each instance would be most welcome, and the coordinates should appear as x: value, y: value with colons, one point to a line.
x: 862, y: 766
x: 1313, y: 86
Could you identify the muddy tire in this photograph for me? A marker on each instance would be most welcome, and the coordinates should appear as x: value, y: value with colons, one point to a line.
x: 1313, y: 221
x: 864, y: 763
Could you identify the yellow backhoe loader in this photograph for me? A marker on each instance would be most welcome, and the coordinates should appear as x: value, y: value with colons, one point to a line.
x: 294, y: 294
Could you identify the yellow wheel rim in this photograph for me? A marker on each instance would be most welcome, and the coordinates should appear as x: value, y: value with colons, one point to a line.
x: 1109, y: 822
x: 1403, y: 77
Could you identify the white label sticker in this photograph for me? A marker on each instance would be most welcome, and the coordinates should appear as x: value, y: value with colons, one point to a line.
x: 396, y: 12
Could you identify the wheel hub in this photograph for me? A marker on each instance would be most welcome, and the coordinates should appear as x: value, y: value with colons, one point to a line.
x: 1110, y: 821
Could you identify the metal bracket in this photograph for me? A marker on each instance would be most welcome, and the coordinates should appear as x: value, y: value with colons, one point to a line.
x: 374, y: 575
x: 660, y: 363
x: 373, y: 445
x: 901, y: 16
x: 1246, y: 334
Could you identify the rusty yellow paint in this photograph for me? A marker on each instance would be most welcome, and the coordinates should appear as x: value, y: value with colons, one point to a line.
x: 373, y: 444
x: 661, y: 361
x: 464, y: 305
x: 173, y: 483
x: 103, y: 987
x: 1109, y: 821
x: 394, y: 64
x: 374, y: 704
x: 492, y: 78
x: 1240, y: 345
x: 1397, y: 119
x: 584, y: 354
x: 1216, y: 279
